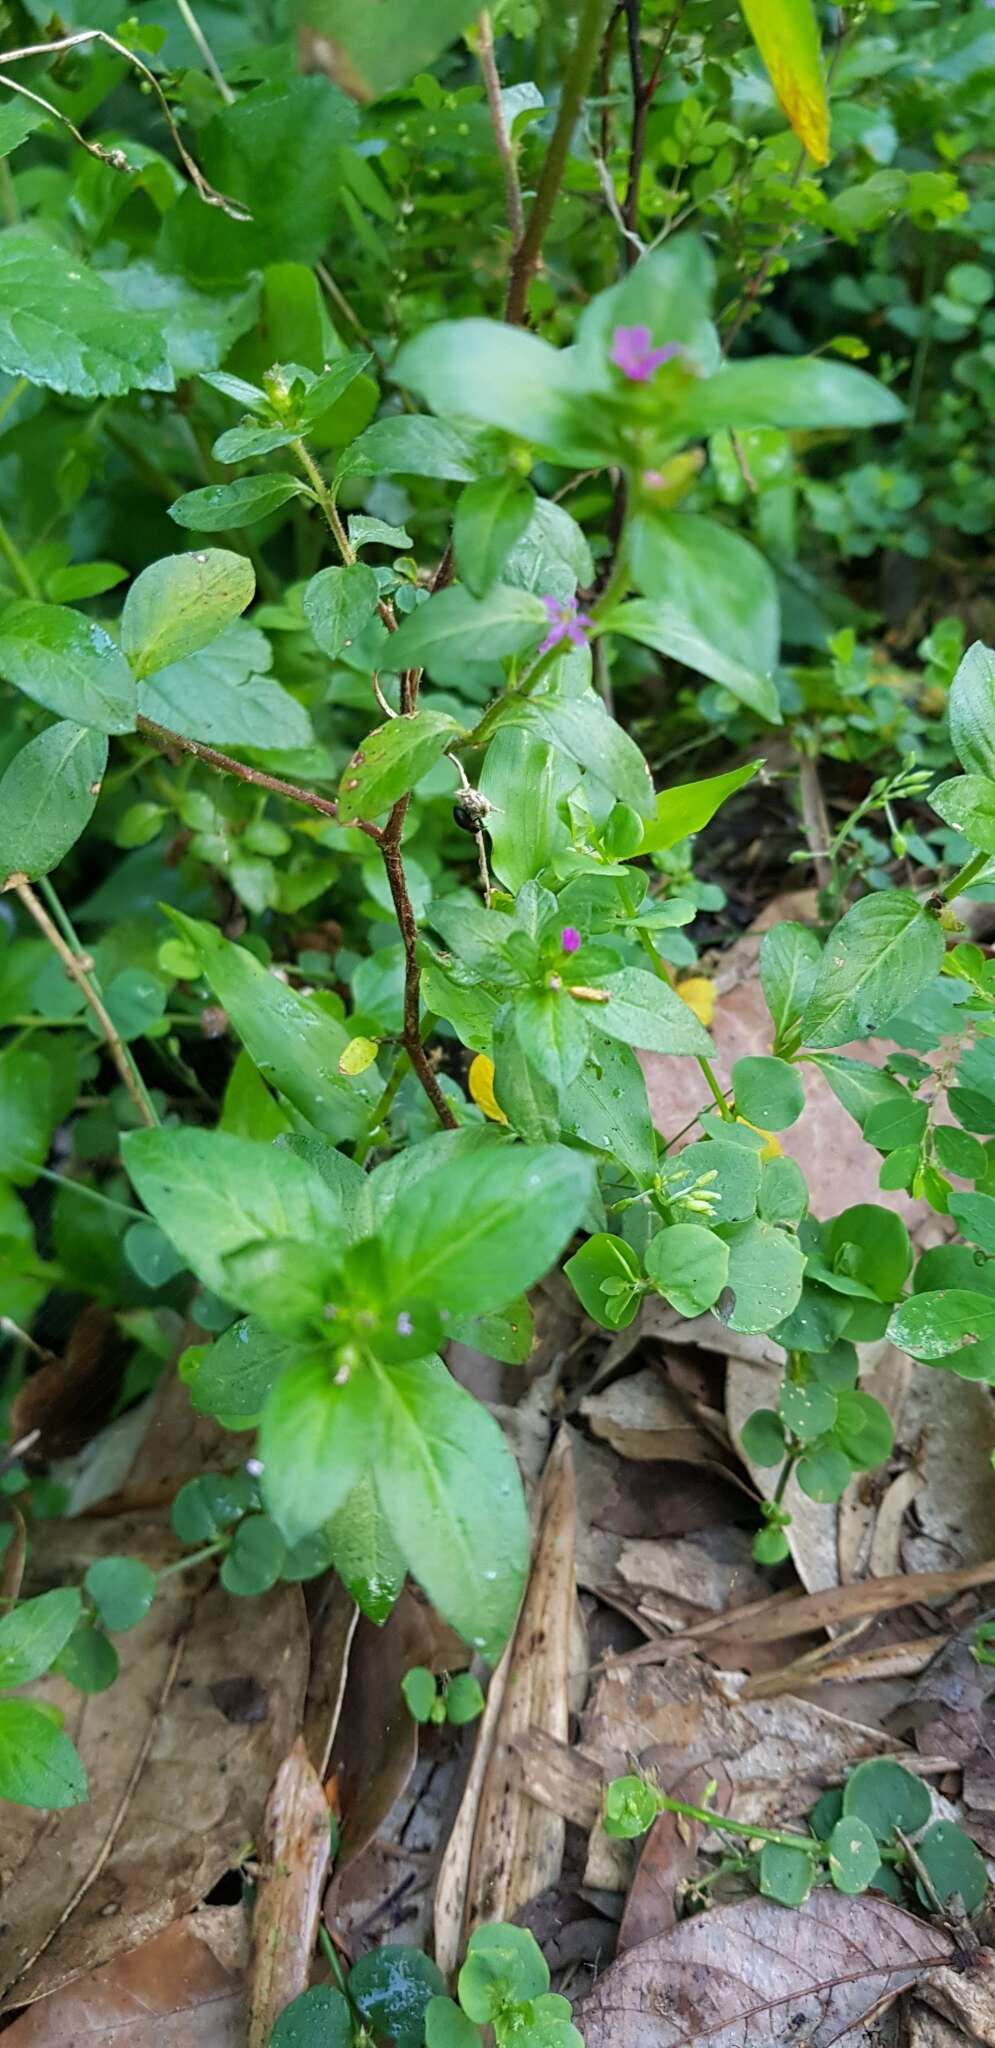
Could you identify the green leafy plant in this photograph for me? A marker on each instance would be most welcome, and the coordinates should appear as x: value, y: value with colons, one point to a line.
x: 398, y: 1994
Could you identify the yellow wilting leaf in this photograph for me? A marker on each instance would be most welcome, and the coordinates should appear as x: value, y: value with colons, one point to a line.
x: 359, y: 1054
x: 787, y: 36
x: 481, y: 1079
x: 772, y: 1147
x: 699, y: 995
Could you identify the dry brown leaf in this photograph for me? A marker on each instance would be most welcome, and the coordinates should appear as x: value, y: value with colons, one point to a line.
x: 668, y: 1856
x: 515, y: 1846
x: 641, y: 1418
x: 294, y: 1858
x: 618, y: 1501
x: 954, y: 1420
x: 926, y: 2029
x: 559, y: 1775
x: 376, y: 1739
x: 333, y: 1618
x: 713, y: 1571
x: 183, y: 1989
x: 966, y: 1997
x: 825, y: 1667
x: 177, y: 1785
x: 762, y: 1975
x: 70, y: 1398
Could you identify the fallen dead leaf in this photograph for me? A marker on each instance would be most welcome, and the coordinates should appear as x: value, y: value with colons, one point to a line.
x: 294, y: 1857
x: 641, y: 1418
x: 182, y: 1989
x: 516, y: 1846
x: 177, y: 1788
x: 376, y: 1738
x: 762, y: 1974
x: 954, y: 1421
x: 668, y: 1857
x: 927, y: 2030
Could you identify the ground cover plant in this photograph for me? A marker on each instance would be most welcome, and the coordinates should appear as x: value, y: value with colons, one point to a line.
x: 453, y: 469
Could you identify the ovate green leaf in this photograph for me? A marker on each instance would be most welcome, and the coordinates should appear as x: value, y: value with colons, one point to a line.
x: 68, y: 663
x: 47, y: 796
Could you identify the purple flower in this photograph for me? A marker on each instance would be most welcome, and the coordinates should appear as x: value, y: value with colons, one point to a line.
x: 404, y: 1325
x: 565, y: 623
x: 570, y: 939
x: 632, y: 353
x: 254, y: 1467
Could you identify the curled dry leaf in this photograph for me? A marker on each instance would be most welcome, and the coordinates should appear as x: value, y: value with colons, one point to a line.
x: 515, y: 1848
x: 177, y: 1788
x: 183, y: 1989
x: 756, y: 1973
x: 294, y: 1857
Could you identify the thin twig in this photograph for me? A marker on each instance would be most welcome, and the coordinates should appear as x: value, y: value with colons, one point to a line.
x: 390, y: 847
x: 815, y: 819
x: 503, y: 142
x: 75, y: 968
x: 526, y: 256
x: 226, y: 764
x: 199, y: 39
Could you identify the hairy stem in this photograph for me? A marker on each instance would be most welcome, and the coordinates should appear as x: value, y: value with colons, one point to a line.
x: 503, y: 142
x: 73, y: 960
x: 526, y: 257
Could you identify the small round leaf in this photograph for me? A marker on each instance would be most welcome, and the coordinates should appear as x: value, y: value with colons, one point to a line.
x: 854, y: 1855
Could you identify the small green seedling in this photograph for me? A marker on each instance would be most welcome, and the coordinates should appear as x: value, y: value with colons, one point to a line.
x: 456, y: 1700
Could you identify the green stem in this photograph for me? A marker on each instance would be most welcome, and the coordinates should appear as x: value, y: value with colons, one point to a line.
x: 725, y: 1825
x: 966, y: 876
x: 328, y: 1951
x: 325, y: 500
x: 364, y: 1145
x: 16, y: 563
x: 82, y: 1187
x: 185, y: 1564
x: 526, y: 257
x: 53, y: 924
x: 706, y: 1066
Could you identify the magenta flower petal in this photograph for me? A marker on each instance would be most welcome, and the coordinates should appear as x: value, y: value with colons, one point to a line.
x: 566, y: 623
x: 632, y: 352
x: 570, y: 939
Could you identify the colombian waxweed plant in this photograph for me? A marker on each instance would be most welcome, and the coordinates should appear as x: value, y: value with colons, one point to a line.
x: 390, y: 1175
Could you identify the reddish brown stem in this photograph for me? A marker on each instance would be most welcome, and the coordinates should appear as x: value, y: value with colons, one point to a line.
x: 390, y: 847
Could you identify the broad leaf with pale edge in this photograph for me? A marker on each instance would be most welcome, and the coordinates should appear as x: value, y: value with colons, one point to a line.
x: 392, y: 758
x: 643, y: 1010
x: 338, y: 603
x: 972, y: 711
x: 710, y: 601
x: 316, y: 1439
x: 691, y: 806
x: 947, y: 1319
x: 47, y: 796
x: 450, y: 1489
x: 38, y: 1764
x: 62, y: 326
x: 238, y: 1371
x: 68, y: 663
x: 786, y: 34
x: 296, y: 1046
x: 968, y: 803
x: 789, y: 963
x: 472, y: 1234
x: 34, y: 1632
x: 881, y: 953
x: 179, y: 604
x: 219, y: 507
x: 215, y: 1195
x: 506, y: 621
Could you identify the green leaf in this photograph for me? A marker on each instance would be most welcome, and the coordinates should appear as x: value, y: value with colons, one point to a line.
x: 733, y: 1177
x: 18, y: 120
x: 470, y: 1235
x: 582, y: 727
x: 296, y: 1045
x: 122, y: 1590
x: 207, y: 1507
x: 447, y: 2027
x: 879, y: 956
x: 372, y: 52
x: 824, y: 1473
x: 789, y: 963
x: 525, y: 779
x: 606, y: 1259
x: 391, y: 1986
x: 972, y: 711
x: 783, y: 1194
x: 450, y: 1489
x: 854, y: 1856
x: 786, y: 34
x: 317, y: 1436
x: 688, y: 1266
x: 762, y: 1437
x: 808, y: 1411
x: 786, y: 1875
x: 255, y: 1560
x: 411, y: 445
x: 219, y: 507
x: 894, y: 1124
x: 954, y: 1865
x: 789, y: 391
x: 182, y: 602
x: 89, y: 1660
x: 452, y: 623
x: 871, y: 1245
x: 766, y: 1268
x: 233, y: 1376
x: 38, y: 1764
x: 863, y: 1428
x: 48, y: 794
x: 491, y: 516
x: 975, y: 1215
x: 62, y: 326
x: 631, y: 1806
x: 644, y: 1010
x: 710, y: 601
x: 690, y: 806
x: 501, y: 376
x: 420, y: 1692
x: 68, y: 663
x: 552, y: 1032
x: 339, y: 604
x: 464, y: 1699
x: 391, y: 759
x: 34, y: 1632
x: 607, y: 1108
x: 216, y: 1195
x: 968, y: 804
x: 768, y: 1092
x: 886, y: 1796
x: 364, y: 1552
x: 216, y: 695
x: 944, y: 1320
x: 198, y: 328
x: 318, y: 2018
x: 504, y: 1966
x: 860, y: 1087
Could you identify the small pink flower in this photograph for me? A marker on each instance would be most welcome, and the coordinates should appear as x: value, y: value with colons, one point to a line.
x: 632, y: 353
x: 570, y: 939
x: 565, y: 623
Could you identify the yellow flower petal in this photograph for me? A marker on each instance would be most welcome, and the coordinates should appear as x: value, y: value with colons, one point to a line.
x: 699, y: 995
x: 481, y: 1079
x: 772, y: 1148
